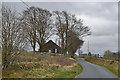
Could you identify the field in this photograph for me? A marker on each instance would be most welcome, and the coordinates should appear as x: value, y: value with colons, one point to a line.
x: 38, y: 66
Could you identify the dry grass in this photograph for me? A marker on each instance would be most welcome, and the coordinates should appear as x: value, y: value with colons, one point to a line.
x: 61, y: 60
x: 42, y: 66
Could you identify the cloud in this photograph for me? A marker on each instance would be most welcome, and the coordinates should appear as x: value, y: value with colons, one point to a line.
x: 104, y: 34
x: 60, y: 0
x: 101, y: 17
x: 100, y: 26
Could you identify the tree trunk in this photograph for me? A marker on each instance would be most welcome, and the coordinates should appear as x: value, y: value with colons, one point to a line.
x: 34, y: 50
x: 62, y: 44
x: 72, y: 55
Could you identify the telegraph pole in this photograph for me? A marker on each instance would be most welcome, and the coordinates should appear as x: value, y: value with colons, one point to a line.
x: 88, y: 46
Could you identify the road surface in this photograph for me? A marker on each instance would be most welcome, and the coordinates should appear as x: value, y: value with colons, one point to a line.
x: 93, y: 71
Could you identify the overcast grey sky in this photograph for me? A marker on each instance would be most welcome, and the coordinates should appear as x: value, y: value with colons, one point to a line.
x: 101, y: 17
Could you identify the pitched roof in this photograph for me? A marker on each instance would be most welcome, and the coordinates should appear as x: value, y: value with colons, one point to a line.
x: 50, y: 44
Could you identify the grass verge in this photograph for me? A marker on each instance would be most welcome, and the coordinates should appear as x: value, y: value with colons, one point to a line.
x: 111, y: 65
x: 45, y: 67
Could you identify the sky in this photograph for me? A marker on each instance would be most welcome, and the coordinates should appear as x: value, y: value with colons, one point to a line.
x: 101, y: 17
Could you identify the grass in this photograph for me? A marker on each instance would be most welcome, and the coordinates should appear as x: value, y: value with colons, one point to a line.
x: 62, y: 72
x: 111, y: 65
x: 74, y: 70
x: 43, y: 67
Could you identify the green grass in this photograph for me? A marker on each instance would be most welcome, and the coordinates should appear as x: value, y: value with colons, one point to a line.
x: 76, y: 70
x: 110, y: 68
x: 56, y: 73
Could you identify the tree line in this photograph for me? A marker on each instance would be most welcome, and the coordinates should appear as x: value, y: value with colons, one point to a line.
x: 35, y: 26
x: 111, y: 55
x: 107, y: 55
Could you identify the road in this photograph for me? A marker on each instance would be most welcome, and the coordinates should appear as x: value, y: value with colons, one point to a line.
x: 93, y: 71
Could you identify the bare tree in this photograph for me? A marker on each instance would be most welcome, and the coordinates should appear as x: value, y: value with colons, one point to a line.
x: 37, y: 26
x: 44, y: 26
x: 29, y: 24
x: 60, y: 28
x: 66, y: 23
x: 12, y: 37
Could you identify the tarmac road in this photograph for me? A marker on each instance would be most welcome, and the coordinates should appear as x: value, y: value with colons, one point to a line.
x: 93, y: 71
